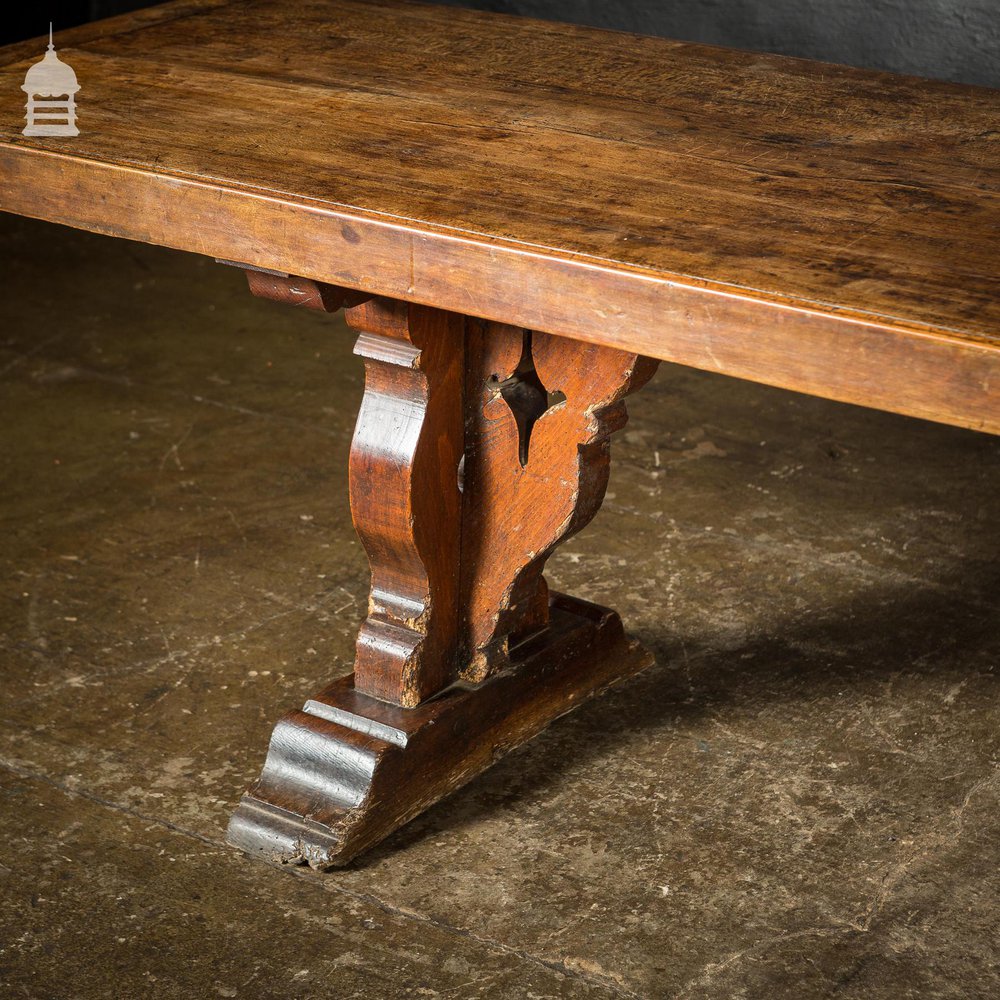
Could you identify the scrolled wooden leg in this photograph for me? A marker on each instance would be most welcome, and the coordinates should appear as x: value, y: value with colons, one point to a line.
x: 405, y: 498
x: 478, y: 448
x: 537, y: 461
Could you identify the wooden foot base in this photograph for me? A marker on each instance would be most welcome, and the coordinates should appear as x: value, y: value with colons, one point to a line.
x: 349, y: 769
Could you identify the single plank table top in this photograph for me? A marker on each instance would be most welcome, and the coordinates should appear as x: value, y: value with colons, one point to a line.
x: 826, y: 229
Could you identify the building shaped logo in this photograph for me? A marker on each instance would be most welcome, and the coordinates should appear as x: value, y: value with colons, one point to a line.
x: 51, y: 88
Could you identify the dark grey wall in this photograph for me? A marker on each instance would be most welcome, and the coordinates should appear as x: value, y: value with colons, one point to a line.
x: 948, y: 39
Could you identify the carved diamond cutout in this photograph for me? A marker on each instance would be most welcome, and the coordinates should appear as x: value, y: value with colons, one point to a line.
x: 526, y: 397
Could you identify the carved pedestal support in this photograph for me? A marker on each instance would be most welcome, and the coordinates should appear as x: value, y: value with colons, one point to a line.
x: 478, y: 448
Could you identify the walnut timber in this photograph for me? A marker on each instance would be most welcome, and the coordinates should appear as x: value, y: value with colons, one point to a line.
x: 519, y: 219
x: 465, y: 473
x: 821, y: 228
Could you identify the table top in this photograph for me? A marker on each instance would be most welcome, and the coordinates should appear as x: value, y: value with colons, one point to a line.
x: 807, y: 225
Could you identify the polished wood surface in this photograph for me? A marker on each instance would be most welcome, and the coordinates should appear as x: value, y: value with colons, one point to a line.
x: 478, y: 449
x: 519, y: 218
x: 816, y: 227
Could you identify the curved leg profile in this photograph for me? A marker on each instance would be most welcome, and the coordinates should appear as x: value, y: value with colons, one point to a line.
x: 478, y: 448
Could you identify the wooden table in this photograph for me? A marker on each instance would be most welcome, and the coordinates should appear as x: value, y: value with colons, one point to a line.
x: 518, y: 218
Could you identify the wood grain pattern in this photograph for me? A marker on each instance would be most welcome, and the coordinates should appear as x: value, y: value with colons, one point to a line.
x: 815, y: 227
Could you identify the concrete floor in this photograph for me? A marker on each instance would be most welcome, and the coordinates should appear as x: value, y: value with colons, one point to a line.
x: 799, y: 800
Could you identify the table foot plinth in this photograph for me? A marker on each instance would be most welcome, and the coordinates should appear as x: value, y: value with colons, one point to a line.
x: 349, y: 769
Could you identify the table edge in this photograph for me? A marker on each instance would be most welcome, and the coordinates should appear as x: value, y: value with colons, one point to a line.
x: 824, y: 351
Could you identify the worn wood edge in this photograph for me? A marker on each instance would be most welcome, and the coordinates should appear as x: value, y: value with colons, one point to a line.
x: 329, y: 791
x: 348, y: 214
x: 945, y: 376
